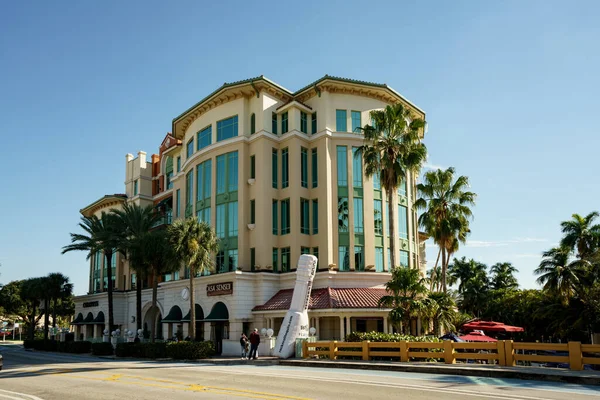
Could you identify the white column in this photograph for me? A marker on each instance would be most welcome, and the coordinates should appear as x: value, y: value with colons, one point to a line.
x: 341, y: 327
x: 348, y: 325
x: 317, y: 327
x: 385, y: 325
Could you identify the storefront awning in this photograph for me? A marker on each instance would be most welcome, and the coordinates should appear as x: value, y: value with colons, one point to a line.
x: 199, y: 314
x: 99, y: 318
x: 173, y: 316
x: 219, y: 312
x: 78, y: 320
x: 89, y: 319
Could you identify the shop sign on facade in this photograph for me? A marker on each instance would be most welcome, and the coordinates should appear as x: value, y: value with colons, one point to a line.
x: 219, y: 289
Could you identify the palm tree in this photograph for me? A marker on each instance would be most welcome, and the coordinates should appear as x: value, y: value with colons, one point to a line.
x: 444, y: 312
x: 504, y: 277
x: 61, y: 289
x: 45, y: 291
x: 407, y: 291
x: 580, y: 234
x: 100, y: 234
x: 434, y: 276
x: 193, y: 244
x: 159, y: 259
x: 391, y: 150
x: 463, y: 271
x: 559, y: 275
x: 446, y: 217
x: 32, y: 291
x: 136, y: 221
x: 473, y: 283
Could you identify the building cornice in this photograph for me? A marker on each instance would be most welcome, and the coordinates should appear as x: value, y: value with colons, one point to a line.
x: 252, y: 87
x: 103, y: 202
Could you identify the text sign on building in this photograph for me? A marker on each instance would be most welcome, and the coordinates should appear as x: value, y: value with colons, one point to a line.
x: 219, y: 289
x: 90, y: 304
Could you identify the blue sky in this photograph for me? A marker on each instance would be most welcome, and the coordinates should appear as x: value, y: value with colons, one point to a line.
x: 510, y: 90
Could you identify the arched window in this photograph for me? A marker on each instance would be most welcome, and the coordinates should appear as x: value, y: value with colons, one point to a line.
x: 252, y: 123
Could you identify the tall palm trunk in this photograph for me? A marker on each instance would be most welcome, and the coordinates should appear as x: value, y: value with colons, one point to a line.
x: 444, y: 267
x: 154, y: 311
x: 46, y: 318
x: 434, y: 276
x: 111, y: 320
x: 32, y: 323
x: 54, y: 315
x: 390, y: 197
x: 192, y: 330
x: 138, y: 302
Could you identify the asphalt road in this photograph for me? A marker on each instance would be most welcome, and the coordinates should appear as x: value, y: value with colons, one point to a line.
x: 37, y: 375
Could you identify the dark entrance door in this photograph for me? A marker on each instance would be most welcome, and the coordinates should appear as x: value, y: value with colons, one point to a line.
x: 218, y: 336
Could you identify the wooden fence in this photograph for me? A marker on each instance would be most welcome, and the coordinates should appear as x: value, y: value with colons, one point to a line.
x: 502, y: 352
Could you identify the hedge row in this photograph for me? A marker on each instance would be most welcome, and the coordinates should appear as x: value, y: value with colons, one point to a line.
x: 175, y: 350
x: 190, y: 350
x: 102, y: 349
x: 388, y: 337
x: 63, y: 347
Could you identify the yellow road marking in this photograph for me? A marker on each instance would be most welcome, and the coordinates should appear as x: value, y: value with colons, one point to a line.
x: 113, y: 377
x: 169, y: 384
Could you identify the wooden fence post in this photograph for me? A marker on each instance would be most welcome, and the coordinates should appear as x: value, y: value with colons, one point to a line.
x: 365, y: 350
x: 403, y: 351
x: 449, y: 352
x: 501, y: 353
x: 305, y: 349
x: 332, y: 349
x: 509, y: 353
x: 575, y: 356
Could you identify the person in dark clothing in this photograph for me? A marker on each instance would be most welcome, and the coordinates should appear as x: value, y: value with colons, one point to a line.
x: 244, y: 344
x: 254, y: 342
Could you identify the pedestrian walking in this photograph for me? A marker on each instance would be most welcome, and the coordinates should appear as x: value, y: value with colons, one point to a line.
x: 254, y: 342
x: 244, y: 344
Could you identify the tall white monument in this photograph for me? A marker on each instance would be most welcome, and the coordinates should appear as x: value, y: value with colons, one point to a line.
x: 295, y: 324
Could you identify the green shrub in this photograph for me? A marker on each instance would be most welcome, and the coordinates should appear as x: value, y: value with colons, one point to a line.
x: 81, y: 347
x: 102, y: 349
x: 388, y: 337
x: 39, y: 344
x: 393, y: 337
x: 190, y: 350
x: 142, y: 350
x: 126, y: 349
x: 153, y: 350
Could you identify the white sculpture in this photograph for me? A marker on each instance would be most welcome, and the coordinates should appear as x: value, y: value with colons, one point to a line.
x: 295, y: 323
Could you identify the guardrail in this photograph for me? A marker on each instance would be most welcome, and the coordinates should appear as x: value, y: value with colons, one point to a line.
x: 502, y: 352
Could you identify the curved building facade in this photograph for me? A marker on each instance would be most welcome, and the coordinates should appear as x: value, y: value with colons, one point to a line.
x: 276, y: 174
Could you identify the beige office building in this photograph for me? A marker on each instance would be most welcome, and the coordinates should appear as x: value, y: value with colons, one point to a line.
x: 276, y: 174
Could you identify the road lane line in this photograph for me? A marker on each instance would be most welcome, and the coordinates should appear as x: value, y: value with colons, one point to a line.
x: 10, y: 397
x: 398, y: 385
x: 28, y: 396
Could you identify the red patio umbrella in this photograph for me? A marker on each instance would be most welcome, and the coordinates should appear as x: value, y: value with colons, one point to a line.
x: 491, y: 326
x: 477, y: 336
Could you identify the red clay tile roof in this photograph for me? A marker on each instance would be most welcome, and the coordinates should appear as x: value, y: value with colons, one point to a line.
x: 327, y: 298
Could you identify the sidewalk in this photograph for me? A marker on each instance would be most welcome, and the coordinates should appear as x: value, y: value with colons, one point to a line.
x: 491, y: 371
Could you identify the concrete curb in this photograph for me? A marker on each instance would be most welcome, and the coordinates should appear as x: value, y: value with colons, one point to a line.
x: 524, y: 373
